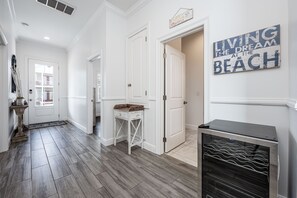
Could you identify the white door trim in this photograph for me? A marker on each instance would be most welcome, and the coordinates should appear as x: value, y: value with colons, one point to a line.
x: 183, y: 31
x: 91, y: 59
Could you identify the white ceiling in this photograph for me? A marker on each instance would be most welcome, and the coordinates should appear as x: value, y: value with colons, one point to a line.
x: 61, y: 28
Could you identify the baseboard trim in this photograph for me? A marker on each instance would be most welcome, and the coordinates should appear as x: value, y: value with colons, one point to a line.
x: 280, y: 196
x: 149, y: 147
x: 191, y: 126
x: 146, y: 145
x: 108, y: 142
x: 81, y: 127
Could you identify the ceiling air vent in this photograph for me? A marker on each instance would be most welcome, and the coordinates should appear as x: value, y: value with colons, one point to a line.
x: 58, y: 5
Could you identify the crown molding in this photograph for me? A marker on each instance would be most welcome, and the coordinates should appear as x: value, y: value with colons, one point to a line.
x: 114, y: 9
x: 136, y: 7
x: 13, y: 16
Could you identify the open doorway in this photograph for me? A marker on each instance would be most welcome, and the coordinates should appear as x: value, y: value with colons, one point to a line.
x: 184, y: 91
x: 94, y: 95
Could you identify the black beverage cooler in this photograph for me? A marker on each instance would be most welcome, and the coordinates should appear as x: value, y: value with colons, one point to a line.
x: 237, y: 160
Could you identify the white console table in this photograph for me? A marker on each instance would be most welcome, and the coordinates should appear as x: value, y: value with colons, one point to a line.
x: 134, y: 120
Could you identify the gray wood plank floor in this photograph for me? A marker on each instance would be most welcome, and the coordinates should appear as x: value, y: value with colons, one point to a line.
x: 65, y: 162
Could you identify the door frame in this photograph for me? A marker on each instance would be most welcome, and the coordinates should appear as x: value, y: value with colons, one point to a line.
x: 91, y: 59
x: 199, y: 25
x: 28, y: 58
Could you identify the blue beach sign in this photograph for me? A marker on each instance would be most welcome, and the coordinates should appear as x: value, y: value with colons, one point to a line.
x: 256, y: 50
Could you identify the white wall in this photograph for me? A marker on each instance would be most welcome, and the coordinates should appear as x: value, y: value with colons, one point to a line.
x: 192, y: 47
x: 105, y: 31
x: 26, y: 50
x: 176, y: 44
x: 293, y: 96
x: 7, y: 121
x: 89, y: 41
x: 236, y: 18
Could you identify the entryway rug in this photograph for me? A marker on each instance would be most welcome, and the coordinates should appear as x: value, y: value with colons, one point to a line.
x: 46, y: 124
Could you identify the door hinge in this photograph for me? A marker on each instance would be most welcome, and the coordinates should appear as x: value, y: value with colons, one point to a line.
x: 164, y: 97
x: 164, y: 139
x: 164, y: 55
x: 59, y: 115
x: 145, y: 39
x: 145, y: 93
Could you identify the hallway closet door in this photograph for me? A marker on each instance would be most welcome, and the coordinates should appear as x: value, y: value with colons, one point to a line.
x: 175, y: 93
x: 43, y: 91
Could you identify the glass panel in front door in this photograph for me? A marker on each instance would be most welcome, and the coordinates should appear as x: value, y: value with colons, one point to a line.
x: 44, y: 85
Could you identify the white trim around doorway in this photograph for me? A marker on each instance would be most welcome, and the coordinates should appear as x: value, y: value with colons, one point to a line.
x: 91, y: 59
x: 201, y: 24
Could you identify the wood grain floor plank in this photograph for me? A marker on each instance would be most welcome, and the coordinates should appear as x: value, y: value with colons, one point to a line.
x: 68, y: 188
x: 104, y: 193
x: 35, y: 135
x: 84, y: 176
x: 128, y: 177
x: 112, y: 186
x: 146, y: 191
x: 94, y: 165
x: 23, y: 151
x: 51, y: 149
x: 62, y: 143
x: 8, y: 159
x: 4, y: 176
x: 58, y: 166
x: 20, y: 172
x: 37, y: 145
x: 42, y: 182
x: 69, y: 155
x: 22, y: 189
x: 78, y: 147
x: 39, y: 158
x: 82, y: 167
x: 47, y: 138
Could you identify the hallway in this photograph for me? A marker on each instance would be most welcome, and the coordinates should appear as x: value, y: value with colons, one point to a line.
x: 64, y: 162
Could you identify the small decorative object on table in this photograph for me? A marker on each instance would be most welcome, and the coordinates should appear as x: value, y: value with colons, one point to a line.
x: 20, y: 104
x: 133, y: 115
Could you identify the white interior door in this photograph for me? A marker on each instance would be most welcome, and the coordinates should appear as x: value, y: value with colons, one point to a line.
x: 43, y: 91
x: 175, y: 93
x: 137, y: 72
x: 94, y: 68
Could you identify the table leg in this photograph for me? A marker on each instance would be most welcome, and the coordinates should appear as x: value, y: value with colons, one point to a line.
x: 129, y: 137
x: 142, y: 134
x: 114, y: 131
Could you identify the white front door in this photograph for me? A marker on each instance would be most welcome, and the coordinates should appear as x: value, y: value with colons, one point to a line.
x: 43, y: 91
x: 175, y: 93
